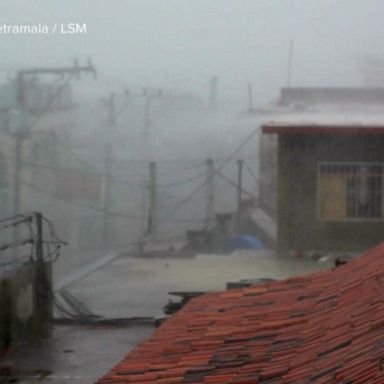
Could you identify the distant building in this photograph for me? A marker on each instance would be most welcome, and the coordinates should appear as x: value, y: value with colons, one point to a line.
x: 52, y: 179
x: 330, y: 186
x: 306, y: 96
x: 318, y: 132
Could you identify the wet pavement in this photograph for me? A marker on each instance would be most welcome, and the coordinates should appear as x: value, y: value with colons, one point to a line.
x: 71, y: 354
x: 133, y: 286
x: 129, y: 287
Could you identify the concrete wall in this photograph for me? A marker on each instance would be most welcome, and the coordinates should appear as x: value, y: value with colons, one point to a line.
x: 308, y: 95
x: 298, y: 224
x: 20, y: 314
x: 268, y: 174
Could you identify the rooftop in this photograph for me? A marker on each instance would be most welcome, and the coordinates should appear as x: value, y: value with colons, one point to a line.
x: 334, y: 95
x: 326, y: 119
x: 324, y: 327
x: 301, y: 128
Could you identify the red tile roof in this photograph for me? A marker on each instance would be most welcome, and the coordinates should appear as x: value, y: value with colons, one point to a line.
x: 326, y: 327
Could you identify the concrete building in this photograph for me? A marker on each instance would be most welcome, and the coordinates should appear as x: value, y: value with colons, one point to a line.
x: 330, y: 186
x: 39, y: 170
x: 320, y: 169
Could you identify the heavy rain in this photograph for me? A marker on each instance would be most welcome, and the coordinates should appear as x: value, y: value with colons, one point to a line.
x: 155, y: 153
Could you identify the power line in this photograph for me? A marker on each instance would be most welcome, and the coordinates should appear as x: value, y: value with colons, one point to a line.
x: 52, y: 232
x: 231, y: 182
x: 117, y: 78
x: 94, y: 172
x: 14, y: 244
x: 117, y: 214
x: 239, y: 148
x: 182, y: 182
x: 69, y: 169
x: 49, y: 104
x: 20, y: 221
x: 249, y: 169
x: 95, y: 209
x: 171, y: 202
x: 221, y: 166
x: 19, y: 216
x: 181, y: 220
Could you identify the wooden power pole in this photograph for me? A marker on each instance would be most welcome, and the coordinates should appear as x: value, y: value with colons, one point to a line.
x: 210, y: 182
x: 22, y: 132
x: 250, y: 98
x: 213, y: 93
x: 43, y: 289
x: 149, y: 96
x: 240, y: 164
x: 152, y: 225
x: 108, y: 168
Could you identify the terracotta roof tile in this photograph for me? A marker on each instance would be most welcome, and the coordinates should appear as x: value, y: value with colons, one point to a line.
x: 326, y: 327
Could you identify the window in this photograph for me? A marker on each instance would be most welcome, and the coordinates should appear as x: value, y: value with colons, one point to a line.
x: 350, y: 191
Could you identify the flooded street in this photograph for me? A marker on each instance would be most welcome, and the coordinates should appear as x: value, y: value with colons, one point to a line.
x: 72, y: 354
x: 131, y: 287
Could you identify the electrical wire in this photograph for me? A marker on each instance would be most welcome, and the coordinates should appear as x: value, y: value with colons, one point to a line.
x: 231, y: 182
x: 221, y: 166
x: 12, y: 218
x: 14, y: 244
x: 49, y: 104
x: 16, y: 223
x: 54, y: 240
x: 117, y: 78
x: 14, y: 262
x: 181, y: 220
x: 130, y: 181
x: 95, y: 209
x: 249, y: 169
x: 182, y: 182
x: 52, y: 232
x: 173, y: 203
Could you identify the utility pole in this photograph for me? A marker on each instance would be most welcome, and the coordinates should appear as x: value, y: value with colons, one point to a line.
x: 250, y: 98
x: 290, y: 60
x: 108, y: 159
x: 213, y: 93
x: 240, y: 164
x: 19, y: 136
x: 147, y: 113
x: 152, y: 224
x: 42, y: 295
x: 210, y: 210
x: 23, y: 131
x: 149, y: 96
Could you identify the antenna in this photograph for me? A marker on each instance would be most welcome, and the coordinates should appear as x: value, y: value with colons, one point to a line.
x: 290, y: 60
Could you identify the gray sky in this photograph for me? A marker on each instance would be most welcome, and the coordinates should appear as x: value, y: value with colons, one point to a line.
x: 180, y: 43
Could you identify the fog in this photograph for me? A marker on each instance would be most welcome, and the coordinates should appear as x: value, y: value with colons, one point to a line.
x: 157, y: 58
x: 180, y: 44
x: 131, y: 156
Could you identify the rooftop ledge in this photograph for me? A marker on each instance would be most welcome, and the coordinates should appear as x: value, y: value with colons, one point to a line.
x: 320, y: 129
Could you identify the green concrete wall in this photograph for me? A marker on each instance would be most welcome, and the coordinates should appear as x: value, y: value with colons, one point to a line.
x: 298, y: 225
x: 20, y: 314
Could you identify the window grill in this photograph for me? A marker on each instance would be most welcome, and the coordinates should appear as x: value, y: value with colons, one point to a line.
x: 350, y: 191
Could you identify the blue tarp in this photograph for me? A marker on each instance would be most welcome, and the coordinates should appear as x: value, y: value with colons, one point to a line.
x: 245, y: 242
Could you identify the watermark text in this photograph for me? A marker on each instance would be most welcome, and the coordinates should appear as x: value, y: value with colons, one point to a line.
x: 71, y: 28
